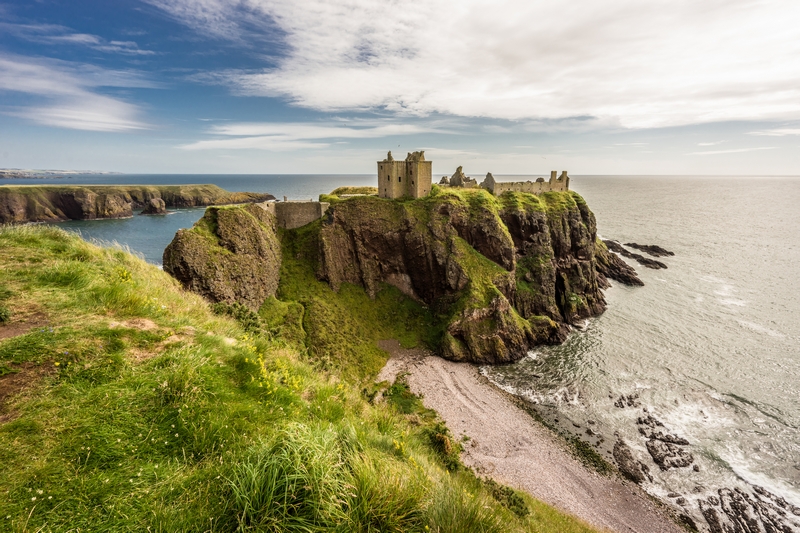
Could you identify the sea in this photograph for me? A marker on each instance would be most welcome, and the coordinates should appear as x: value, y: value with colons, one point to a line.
x: 710, y: 346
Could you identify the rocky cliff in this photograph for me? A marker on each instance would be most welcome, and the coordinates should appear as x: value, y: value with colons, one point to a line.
x: 36, y: 203
x: 230, y: 255
x: 504, y: 273
x: 499, y: 274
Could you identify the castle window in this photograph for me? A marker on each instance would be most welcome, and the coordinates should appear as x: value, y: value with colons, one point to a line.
x: 399, y: 178
x: 388, y: 178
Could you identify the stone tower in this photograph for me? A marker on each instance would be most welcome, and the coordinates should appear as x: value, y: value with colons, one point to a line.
x: 411, y: 177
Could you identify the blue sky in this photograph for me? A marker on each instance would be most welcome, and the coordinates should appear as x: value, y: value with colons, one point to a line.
x: 313, y: 86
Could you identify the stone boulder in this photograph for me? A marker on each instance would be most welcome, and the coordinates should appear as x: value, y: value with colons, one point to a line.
x: 230, y: 255
x: 156, y: 206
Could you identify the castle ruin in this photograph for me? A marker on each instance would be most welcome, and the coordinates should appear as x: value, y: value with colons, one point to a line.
x: 411, y: 177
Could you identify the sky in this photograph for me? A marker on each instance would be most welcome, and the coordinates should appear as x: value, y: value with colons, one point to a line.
x: 321, y: 86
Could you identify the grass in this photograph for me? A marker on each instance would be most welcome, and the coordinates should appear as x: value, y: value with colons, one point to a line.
x: 152, y: 412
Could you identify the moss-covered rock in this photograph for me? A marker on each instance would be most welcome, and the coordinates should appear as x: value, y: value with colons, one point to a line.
x: 231, y: 255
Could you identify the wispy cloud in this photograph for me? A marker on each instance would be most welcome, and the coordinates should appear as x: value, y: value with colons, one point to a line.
x: 66, y: 94
x: 715, y: 143
x: 56, y: 34
x: 734, y: 151
x: 660, y: 63
x: 777, y: 132
x: 298, y: 135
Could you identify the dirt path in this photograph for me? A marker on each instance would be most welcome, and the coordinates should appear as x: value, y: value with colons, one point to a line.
x: 510, y: 446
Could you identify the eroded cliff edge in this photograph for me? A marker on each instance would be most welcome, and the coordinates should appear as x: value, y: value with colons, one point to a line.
x: 49, y: 203
x: 498, y: 274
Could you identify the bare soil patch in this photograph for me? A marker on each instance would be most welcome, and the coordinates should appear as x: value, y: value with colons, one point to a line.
x: 143, y: 324
x: 507, y: 444
x: 22, y: 324
x: 23, y: 376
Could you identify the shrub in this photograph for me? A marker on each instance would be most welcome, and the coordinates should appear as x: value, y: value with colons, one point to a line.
x: 448, y: 450
x: 5, y: 314
x: 508, y: 497
x: 247, y: 318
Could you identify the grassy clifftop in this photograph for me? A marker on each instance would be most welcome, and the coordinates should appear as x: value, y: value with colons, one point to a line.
x: 128, y: 405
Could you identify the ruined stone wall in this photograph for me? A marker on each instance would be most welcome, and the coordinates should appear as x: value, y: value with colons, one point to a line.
x: 556, y: 183
x: 420, y: 176
x: 292, y: 215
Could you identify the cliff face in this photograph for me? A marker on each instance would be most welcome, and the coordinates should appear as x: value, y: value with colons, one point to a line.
x: 20, y: 204
x: 504, y: 273
x: 231, y: 255
x: 497, y: 274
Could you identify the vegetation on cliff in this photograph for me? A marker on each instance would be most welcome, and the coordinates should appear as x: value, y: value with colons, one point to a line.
x: 129, y: 405
x: 47, y: 203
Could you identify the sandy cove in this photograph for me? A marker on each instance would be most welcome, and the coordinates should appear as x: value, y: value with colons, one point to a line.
x: 507, y: 444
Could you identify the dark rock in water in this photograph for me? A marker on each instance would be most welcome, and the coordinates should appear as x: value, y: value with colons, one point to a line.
x: 231, y: 255
x: 673, y: 495
x: 688, y: 521
x: 155, y: 206
x: 611, y: 266
x: 649, y: 263
x: 628, y: 465
x: 737, y: 511
x: 614, y: 246
x: 631, y: 400
x: 667, y: 455
x: 696, y: 468
x: 649, y: 421
x: 681, y: 501
x: 651, y: 249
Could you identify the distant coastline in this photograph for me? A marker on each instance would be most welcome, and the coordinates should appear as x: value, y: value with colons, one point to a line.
x: 21, y: 173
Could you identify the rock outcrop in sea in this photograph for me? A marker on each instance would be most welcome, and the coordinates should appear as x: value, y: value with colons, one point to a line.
x: 155, y: 206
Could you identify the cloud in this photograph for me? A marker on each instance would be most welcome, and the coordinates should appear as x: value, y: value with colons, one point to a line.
x: 299, y: 135
x: 636, y: 64
x: 710, y: 143
x: 778, y: 132
x: 56, y: 34
x: 65, y: 94
x: 734, y: 151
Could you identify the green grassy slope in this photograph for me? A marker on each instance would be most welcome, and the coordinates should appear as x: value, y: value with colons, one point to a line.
x: 128, y: 405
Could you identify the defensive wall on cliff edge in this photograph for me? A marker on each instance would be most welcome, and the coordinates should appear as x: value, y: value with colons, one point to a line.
x: 294, y: 214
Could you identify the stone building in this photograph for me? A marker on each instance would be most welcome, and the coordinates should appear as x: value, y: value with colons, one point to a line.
x: 411, y: 177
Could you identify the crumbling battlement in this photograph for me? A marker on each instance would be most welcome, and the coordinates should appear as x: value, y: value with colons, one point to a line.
x: 294, y: 214
x: 556, y: 183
